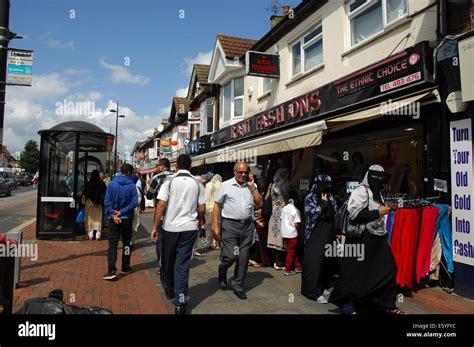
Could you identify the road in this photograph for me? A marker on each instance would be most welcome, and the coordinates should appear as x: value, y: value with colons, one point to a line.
x: 17, y: 208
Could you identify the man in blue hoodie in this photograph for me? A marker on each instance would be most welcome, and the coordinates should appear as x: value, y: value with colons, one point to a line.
x: 120, y: 201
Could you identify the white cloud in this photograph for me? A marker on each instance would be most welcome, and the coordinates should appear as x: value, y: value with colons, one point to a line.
x: 29, y: 110
x: 164, y: 112
x: 75, y: 71
x: 122, y: 74
x: 53, y: 43
x: 201, y: 58
x: 182, y: 92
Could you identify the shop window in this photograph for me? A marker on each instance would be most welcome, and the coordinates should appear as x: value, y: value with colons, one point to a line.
x: 370, y: 17
x: 307, y: 53
x: 207, y: 116
x: 233, y: 101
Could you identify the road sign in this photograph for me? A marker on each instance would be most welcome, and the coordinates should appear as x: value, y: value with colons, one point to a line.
x: 19, y: 67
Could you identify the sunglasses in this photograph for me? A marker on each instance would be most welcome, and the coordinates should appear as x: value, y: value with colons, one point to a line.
x: 243, y: 172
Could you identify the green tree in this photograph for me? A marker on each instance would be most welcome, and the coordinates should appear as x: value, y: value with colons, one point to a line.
x: 29, y: 158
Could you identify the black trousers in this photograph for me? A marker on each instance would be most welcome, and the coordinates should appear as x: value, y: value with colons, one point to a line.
x: 123, y: 229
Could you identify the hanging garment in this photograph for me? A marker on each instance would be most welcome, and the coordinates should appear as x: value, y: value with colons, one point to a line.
x: 436, y: 252
x: 389, y: 225
x: 404, y: 243
x: 444, y: 228
x: 425, y: 243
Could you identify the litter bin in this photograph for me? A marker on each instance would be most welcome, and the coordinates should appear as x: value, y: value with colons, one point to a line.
x: 7, y: 276
x: 18, y: 237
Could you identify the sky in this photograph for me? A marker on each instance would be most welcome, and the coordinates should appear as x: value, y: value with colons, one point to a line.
x: 97, y: 52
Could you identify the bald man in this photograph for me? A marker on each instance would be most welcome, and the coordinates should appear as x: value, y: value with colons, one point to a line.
x: 233, y: 223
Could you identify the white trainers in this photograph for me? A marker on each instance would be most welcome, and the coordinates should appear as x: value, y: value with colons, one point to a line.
x: 326, y: 292
x: 322, y: 300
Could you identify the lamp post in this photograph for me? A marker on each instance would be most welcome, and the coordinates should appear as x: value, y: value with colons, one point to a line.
x: 116, y: 135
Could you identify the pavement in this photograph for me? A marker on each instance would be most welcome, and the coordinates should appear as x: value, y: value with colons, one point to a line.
x: 77, y: 266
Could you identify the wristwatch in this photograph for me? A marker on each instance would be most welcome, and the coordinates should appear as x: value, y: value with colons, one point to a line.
x: 252, y: 190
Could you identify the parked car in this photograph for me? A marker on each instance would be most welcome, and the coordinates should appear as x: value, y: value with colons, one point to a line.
x: 23, y: 180
x: 13, y: 182
x: 7, y: 174
x: 5, y: 188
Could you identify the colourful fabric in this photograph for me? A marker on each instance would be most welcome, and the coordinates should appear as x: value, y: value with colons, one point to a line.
x: 444, y: 228
x: 389, y: 225
x: 425, y: 243
x: 404, y: 243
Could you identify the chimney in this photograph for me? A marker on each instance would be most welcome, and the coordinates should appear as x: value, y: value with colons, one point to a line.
x: 276, y: 19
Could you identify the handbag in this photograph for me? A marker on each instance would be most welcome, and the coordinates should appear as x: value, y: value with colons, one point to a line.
x: 80, y: 217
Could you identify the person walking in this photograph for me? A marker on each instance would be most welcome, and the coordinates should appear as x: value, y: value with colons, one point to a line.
x: 181, y: 203
x: 120, y: 201
x: 163, y: 169
x: 212, y: 187
x: 320, y: 211
x: 368, y: 284
x: 93, y: 199
x: 233, y: 223
x: 290, y: 229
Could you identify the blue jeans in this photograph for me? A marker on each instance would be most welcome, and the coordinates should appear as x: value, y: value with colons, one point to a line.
x: 177, y: 249
x: 159, y: 241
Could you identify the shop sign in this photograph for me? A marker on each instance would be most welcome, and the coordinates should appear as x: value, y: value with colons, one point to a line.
x: 462, y: 191
x: 262, y: 64
x: 183, y: 129
x: 370, y: 84
x: 194, y: 117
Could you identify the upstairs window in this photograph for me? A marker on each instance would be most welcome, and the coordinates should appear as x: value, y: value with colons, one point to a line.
x: 233, y: 100
x: 307, y: 53
x: 370, y: 17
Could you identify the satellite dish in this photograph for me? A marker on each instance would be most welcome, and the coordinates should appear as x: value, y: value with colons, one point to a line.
x: 17, y: 155
x: 160, y: 127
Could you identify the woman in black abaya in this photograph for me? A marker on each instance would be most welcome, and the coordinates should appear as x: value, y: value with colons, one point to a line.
x: 320, y: 211
x: 368, y: 281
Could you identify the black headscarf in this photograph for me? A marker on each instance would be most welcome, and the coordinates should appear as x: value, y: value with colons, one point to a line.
x: 95, y: 188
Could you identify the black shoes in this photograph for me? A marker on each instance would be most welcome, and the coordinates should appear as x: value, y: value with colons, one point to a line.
x: 110, y: 276
x: 180, y: 309
x: 241, y: 295
x: 223, y: 283
x: 170, y: 295
x: 126, y: 271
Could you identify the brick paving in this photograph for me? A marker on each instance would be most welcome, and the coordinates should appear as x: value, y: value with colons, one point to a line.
x: 77, y: 268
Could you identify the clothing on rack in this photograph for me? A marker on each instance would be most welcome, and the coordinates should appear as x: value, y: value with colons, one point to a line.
x: 425, y: 242
x: 436, y: 253
x: 389, y: 225
x: 444, y: 228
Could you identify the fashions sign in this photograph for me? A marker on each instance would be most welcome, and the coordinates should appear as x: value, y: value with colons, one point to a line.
x: 371, y: 84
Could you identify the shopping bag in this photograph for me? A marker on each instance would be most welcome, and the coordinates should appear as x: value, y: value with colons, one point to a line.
x: 80, y: 218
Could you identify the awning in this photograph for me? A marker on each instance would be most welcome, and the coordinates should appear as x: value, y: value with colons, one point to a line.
x: 196, y: 162
x: 300, y: 137
x: 381, y: 109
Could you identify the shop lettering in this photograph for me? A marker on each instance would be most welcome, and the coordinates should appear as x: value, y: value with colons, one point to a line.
x: 241, y: 129
x: 462, y: 202
x: 464, y: 250
x: 273, y: 116
x: 462, y: 225
x: 461, y: 157
x: 392, y: 69
x: 462, y: 179
x: 460, y: 134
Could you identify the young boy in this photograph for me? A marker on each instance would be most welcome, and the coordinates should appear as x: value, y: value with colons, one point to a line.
x: 290, y: 228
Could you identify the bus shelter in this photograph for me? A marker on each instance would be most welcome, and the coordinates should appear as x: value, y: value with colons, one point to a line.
x: 69, y: 152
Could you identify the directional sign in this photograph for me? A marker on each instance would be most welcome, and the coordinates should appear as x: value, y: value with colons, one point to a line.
x: 19, y: 67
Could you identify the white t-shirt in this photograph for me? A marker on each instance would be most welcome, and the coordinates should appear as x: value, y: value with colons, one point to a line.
x: 183, y: 198
x: 289, y: 217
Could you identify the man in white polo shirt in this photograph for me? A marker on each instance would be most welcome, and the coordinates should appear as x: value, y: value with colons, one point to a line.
x: 183, y: 198
x: 234, y: 206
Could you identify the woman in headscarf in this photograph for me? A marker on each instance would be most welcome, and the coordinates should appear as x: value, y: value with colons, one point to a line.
x: 320, y: 211
x: 367, y: 281
x: 93, y: 199
x: 212, y: 187
x: 277, y: 190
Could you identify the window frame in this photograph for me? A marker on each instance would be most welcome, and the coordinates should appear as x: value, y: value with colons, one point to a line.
x: 203, y: 108
x: 366, y: 6
x: 233, y: 118
x: 303, y: 47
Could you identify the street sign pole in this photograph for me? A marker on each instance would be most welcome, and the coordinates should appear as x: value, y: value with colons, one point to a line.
x: 4, y: 37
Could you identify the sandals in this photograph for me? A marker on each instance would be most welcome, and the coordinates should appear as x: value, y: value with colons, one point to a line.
x: 254, y: 263
x: 396, y: 311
